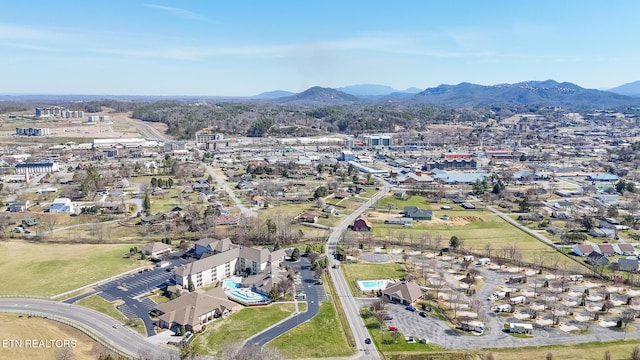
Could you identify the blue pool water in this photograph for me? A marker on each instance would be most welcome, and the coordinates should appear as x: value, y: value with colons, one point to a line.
x: 230, y: 284
x: 368, y: 285
x: 248, y: 297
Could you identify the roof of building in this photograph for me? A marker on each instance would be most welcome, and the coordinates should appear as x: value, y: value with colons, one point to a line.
x: 408, y: 291
x: 416, y: 212
x: 187, y: 308
x: 155, y: 247
x: 209, y: 262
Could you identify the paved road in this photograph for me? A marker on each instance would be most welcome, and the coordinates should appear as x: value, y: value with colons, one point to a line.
x: 313, y: 306
x: 122, y: 337
x: 224, y: 185
x: 349, y: 304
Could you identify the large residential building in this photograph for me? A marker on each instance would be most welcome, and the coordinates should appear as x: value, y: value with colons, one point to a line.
x: 207, y: 136
x: 216, y: 265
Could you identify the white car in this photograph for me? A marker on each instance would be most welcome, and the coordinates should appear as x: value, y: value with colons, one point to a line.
x: 115, y: 326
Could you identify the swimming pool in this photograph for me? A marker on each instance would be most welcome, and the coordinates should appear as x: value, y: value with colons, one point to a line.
x: 247, y: 297
x: 369, y: 285
x: 232, y: 283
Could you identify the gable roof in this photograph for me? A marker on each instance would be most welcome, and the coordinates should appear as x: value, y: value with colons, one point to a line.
x: 416, y: 212
x: 409, y: 291
x: 187, y: 308
x: 209, y: 262
x: 155, y: 247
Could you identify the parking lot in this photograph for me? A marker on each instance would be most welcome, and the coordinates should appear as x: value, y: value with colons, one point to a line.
x: 131, y: 290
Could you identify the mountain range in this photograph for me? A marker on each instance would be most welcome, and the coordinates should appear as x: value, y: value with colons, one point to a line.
x: 542, y: 93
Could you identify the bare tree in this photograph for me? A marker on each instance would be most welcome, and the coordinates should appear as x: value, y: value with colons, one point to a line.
x: 437, y: 283
x: 628, y: 316
x: 65, y: 354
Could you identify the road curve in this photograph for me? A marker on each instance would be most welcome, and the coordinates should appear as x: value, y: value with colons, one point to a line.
x: 122, y: 337
x: 351, y: 309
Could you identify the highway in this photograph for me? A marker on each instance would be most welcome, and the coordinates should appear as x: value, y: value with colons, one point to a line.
x: 121, y: 337
x: 356, y: 323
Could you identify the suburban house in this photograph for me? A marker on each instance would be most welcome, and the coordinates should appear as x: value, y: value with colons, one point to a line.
x: 628, y: 264
x: 308, y: 217
x: 468, y: 206
x: 61, y: 205
x: 603, y: 233
x: 221, y: 265
x: 624, y: 249
x: 403, y: 292
x: 361, y: 224
x: 596, y: 258
x: 19, y: 206
x: 583, y: 249
x: 605, y: 249
x: 156, y: 249
x: 225, y: 220
x: 193, y: 310
x: 416, y: 213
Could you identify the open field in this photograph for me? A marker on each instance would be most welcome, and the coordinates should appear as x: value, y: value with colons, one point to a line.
x: 476, y: 228
x: 321, y: 336
x: 620, y: 350
x: 241, y: 325
x: 16, y: 327
x: 49, y: 269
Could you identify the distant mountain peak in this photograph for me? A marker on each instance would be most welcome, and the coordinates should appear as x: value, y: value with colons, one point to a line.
x: 629, y: 89
x: 317, y: 95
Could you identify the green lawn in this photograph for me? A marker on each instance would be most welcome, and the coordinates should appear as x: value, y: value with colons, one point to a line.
x: 49, y: 269
x: 99, y: 304
x: 241, y: 325
x: 320, y: 337
x: 399, y: 204
x: 476, y: 228
x: 367, y: 271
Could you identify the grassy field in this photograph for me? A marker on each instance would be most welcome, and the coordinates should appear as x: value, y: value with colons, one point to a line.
x: 16, y: 327
x: 620, y: 350
x: 476, y: 228
x: 99, y: 304
x: 367, y: 271
x: 320, y: 337
x: 241, y: 325
x: 49, y: 269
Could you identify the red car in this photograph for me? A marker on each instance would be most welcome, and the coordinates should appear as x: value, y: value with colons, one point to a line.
x: 393, y: 328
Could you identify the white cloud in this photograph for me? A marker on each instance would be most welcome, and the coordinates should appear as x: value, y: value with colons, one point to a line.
x: 179, y: 12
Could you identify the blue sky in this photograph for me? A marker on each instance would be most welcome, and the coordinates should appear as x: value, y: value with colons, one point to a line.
x: 243, y: 47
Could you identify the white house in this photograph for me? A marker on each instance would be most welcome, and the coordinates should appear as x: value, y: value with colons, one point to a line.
x: 61, y: 205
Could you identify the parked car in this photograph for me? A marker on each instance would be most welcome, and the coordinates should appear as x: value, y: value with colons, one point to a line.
x: 367, y: 341
x: 423, y: 314
x: 410, y: 308
x: 393, y: 328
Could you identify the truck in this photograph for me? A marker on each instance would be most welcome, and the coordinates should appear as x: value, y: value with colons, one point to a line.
x: 483, y: 261
x: 163, y: 264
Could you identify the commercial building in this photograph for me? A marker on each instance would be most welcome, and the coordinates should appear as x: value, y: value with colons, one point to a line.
x: 377, y: 140
x: 33, y: 131
x: 36, y: 167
